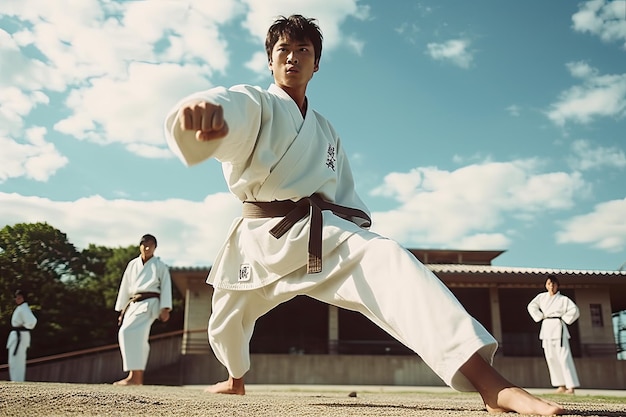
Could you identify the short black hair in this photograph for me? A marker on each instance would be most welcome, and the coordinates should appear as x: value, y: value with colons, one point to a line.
x: 297, y: 28
x: 554, y: 280
x: 20, y: 293
x: 148, y: 237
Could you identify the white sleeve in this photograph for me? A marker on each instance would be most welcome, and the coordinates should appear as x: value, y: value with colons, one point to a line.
x: 123, y: 294
x: 534, y: 309
x: 242, y: 112
x: 166, y: 287
x: 571, y: 312
x: 28, y: 318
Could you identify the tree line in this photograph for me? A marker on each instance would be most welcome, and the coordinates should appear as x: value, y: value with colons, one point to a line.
x: 72, y: 293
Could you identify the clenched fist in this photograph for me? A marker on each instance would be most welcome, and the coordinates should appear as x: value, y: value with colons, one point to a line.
x: 206, y: 119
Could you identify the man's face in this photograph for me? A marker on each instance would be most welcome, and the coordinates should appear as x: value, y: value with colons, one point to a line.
x: 147, y: 248
x: 19, y: 299
x: 293, y: 62
x: 552, y: 287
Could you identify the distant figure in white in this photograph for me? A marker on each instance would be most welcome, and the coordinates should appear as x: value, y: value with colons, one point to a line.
x: 556, y: 312
x: 145, y: 295
x: 22, y: 322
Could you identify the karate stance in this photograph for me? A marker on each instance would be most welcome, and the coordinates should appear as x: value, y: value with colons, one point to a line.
x: 555, y: 311
x: 22, y: 322
x: 304, y: 230
x: 145, y: 294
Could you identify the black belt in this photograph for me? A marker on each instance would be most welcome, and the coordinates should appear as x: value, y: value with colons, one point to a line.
x: 562, y: 330
x: 294, y: 211
x: 140, y: 296
x: 18, y: 330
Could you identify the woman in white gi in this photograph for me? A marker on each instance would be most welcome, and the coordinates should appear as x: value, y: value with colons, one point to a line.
x: 22, y: 322
x: 145, y: 295
x: 304, y: 229
x: 555, y: 312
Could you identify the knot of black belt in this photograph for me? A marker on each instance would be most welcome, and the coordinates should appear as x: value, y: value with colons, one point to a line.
x: 562, y: 329
x: 294, y: 211
x: 18, y: 330
x: 140, y: 296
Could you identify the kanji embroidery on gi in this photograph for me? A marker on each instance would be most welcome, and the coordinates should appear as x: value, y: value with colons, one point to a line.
x: 331, y: 158
x: 245, y: 272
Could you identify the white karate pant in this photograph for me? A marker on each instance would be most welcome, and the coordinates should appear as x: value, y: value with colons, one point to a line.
x: 17, y: 362
x: 134, y: 333
x: 560, y: 363
x: 378, y: 278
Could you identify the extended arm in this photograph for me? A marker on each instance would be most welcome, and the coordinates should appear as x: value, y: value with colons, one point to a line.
x: 196, y: 127
x: 206, y: 119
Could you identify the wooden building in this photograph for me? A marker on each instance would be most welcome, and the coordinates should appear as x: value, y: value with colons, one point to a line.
x: 305, y: 341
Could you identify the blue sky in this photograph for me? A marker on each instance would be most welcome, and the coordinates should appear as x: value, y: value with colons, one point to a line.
x: 491, y: 124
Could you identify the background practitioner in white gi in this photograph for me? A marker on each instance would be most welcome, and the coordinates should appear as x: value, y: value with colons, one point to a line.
x: 555, y: 312
x: 22, y: 322
x: 145, y: 294
x: 287, y: 165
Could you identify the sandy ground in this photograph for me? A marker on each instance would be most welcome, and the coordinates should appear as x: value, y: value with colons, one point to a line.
x: 54, y: 399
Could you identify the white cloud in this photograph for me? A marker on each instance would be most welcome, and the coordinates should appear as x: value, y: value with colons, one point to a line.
x: 25, y: 71
x: 604, y: 227
x: 455, y: 51
x: 130, y: 111
x: 606, y: 19
x: 355, y: 44
x: 330, y: 14
x: 95, y: 39
x: 409, y: 31
x: 581, y: 69
x: 258, y: 64
x: 514, y: 110
x: 192, y: 239
x: 97, y: 53
x: 484, y: 241
x: 104, y: 57
x: 470, y: 205
x: 14, y: 105
x: 598, y: 96
x: 35, y: 159
x: 586, y: 157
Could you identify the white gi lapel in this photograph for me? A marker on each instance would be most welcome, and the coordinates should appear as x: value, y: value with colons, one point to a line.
x: 142, y: 271
x: 552, y: 326
x: 297, y: 150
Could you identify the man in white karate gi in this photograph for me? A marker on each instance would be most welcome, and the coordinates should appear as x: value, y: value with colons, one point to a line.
x: 303, y: 229
x: 145, y: 294
x: 22, y: 322
x: 555, y: 312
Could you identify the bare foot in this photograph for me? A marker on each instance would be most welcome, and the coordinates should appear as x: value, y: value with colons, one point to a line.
x: 521, y: 401
x: 569, y: 391
x: 127, y: 381
x: 560, y: 390
x: 499, y: 395
x: 230, y: 386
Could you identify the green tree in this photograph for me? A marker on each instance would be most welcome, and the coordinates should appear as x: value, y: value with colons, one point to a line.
x: 39, y: 260
x: 72, y: 293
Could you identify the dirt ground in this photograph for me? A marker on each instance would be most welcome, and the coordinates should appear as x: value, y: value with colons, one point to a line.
x: 39, y: 399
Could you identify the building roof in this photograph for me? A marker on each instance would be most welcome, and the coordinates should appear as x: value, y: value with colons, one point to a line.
x: 491, y: 269
x: 453, y: 256
x: 467, y: 268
